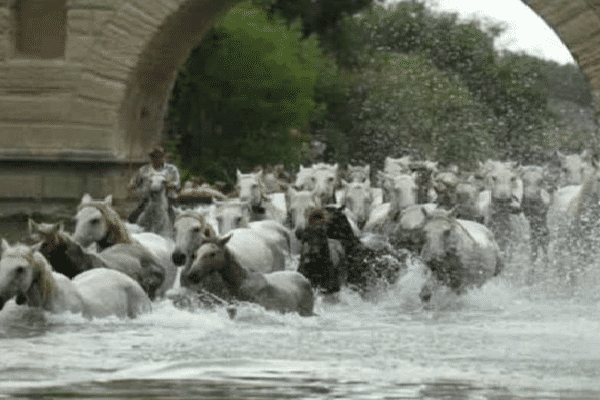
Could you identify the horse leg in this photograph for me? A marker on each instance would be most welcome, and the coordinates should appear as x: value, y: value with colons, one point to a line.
x: 135, y: 214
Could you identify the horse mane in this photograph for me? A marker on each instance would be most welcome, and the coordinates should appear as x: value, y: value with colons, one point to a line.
x: 318, y: 216
x: 42, y: 270
x: 116, y: 228
x: 43, y: 267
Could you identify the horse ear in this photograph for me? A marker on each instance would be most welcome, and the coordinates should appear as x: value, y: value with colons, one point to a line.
x: 453, y: 211
x: 108, y: 200
x: 5, y: 246
x: 344, y: 184
x: 586, y: 155
x: 238, y: 174
x: 223, y: 241
x: 86, y: 199
x: 61, y: 226
x: 367, y: 182
x: 560, y: 155
x: 32, y: 226
x: 368, y: 169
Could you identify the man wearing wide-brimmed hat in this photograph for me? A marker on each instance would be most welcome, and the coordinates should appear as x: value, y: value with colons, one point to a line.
x: 137, y: 182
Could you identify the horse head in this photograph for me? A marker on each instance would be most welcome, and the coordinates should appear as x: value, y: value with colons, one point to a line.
x: 299, y: 206
x: 575, y: 167
x: 211, y: 256
x: 324, y: 181
x: 190, y: 230
x: 438, y: 228
x: 395, y: 166
x: 250, y: 187
x: 358, y: 173
x: 535, y: 181
x: 232, y: 214
x: 358, y: 198
x: 502, y: 179
x: 20, y: 268
x: 403, y: 191
x: 157, y: 183
x: 97, y: 221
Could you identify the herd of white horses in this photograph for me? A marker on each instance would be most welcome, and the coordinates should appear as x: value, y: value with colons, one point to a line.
x: 460, y: 224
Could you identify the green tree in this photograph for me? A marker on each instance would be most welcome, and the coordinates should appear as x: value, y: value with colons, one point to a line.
x: 241, y: 92
x: 403, y: 104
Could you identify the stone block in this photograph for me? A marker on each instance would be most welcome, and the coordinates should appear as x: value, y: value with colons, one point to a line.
x: 101, y: 18
x: 19, y: 185
x: 78, y: 48
x: 79, y: 22
x: 5, y: 48
x: 52, y: 140
x: 5, y: 21
x: 47, y: 109
x: 97, y: 87
x: 36, y: 76
x: 93, y: 112
x: 63, y: 186
x: 94, y: 4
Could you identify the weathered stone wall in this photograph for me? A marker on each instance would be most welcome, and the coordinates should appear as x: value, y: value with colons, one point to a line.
x: 80, y: 107
x: 577, y: 22
x: 81, y: 104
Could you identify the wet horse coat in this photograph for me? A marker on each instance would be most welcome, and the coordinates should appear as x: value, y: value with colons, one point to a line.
x: 98, y: 223
x: 283, y: 291
x: 461, y: 254
x: 27, y: 276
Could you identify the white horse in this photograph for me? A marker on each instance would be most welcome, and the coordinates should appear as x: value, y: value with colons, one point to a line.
x: 155, y: 216
x: 357, y: 173
x: 252, y: 189
x: 357, y: 198
x: 575, y: 167
x: 283, y: 291
x: 322, y: 179
x: 506, y: 190
x: 402, y: 191
x: 27, y: 276
x: 259, y: 247
x: 97, y: 222
x: 460, y: 254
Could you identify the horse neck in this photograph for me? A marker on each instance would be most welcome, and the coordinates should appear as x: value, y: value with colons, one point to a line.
x: 116, y: 234
x: 233, y: 273
x: 43, y: 291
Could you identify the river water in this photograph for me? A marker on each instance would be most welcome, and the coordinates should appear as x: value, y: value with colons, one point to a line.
x: 506, y: 340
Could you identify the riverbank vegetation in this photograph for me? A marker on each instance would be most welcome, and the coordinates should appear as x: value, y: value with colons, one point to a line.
x: 369, y: 82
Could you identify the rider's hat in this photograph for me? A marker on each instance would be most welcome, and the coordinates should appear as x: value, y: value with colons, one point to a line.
x: 157, y: 151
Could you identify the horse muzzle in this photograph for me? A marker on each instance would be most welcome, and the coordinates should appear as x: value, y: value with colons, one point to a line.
x: 178, y: 258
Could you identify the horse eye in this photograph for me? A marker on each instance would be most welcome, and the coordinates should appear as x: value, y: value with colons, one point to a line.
x: 207, y: 232
x: 196, y: 229
x: 20, y: 270
x: 95, y: 221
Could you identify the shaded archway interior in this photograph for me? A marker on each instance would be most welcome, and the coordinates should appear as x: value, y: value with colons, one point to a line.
x: 146, y: 99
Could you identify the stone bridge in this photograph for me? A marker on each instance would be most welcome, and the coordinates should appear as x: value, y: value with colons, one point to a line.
x: 84, y: 86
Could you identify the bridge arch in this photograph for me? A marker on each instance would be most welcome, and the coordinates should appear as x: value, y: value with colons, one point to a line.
x: 80, y: 119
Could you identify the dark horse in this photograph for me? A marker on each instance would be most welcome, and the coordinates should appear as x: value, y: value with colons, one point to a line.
x: 364, y: 268
x: 62, y: 252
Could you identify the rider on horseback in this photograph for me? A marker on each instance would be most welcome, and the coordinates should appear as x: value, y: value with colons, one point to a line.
x: 137, y: 182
